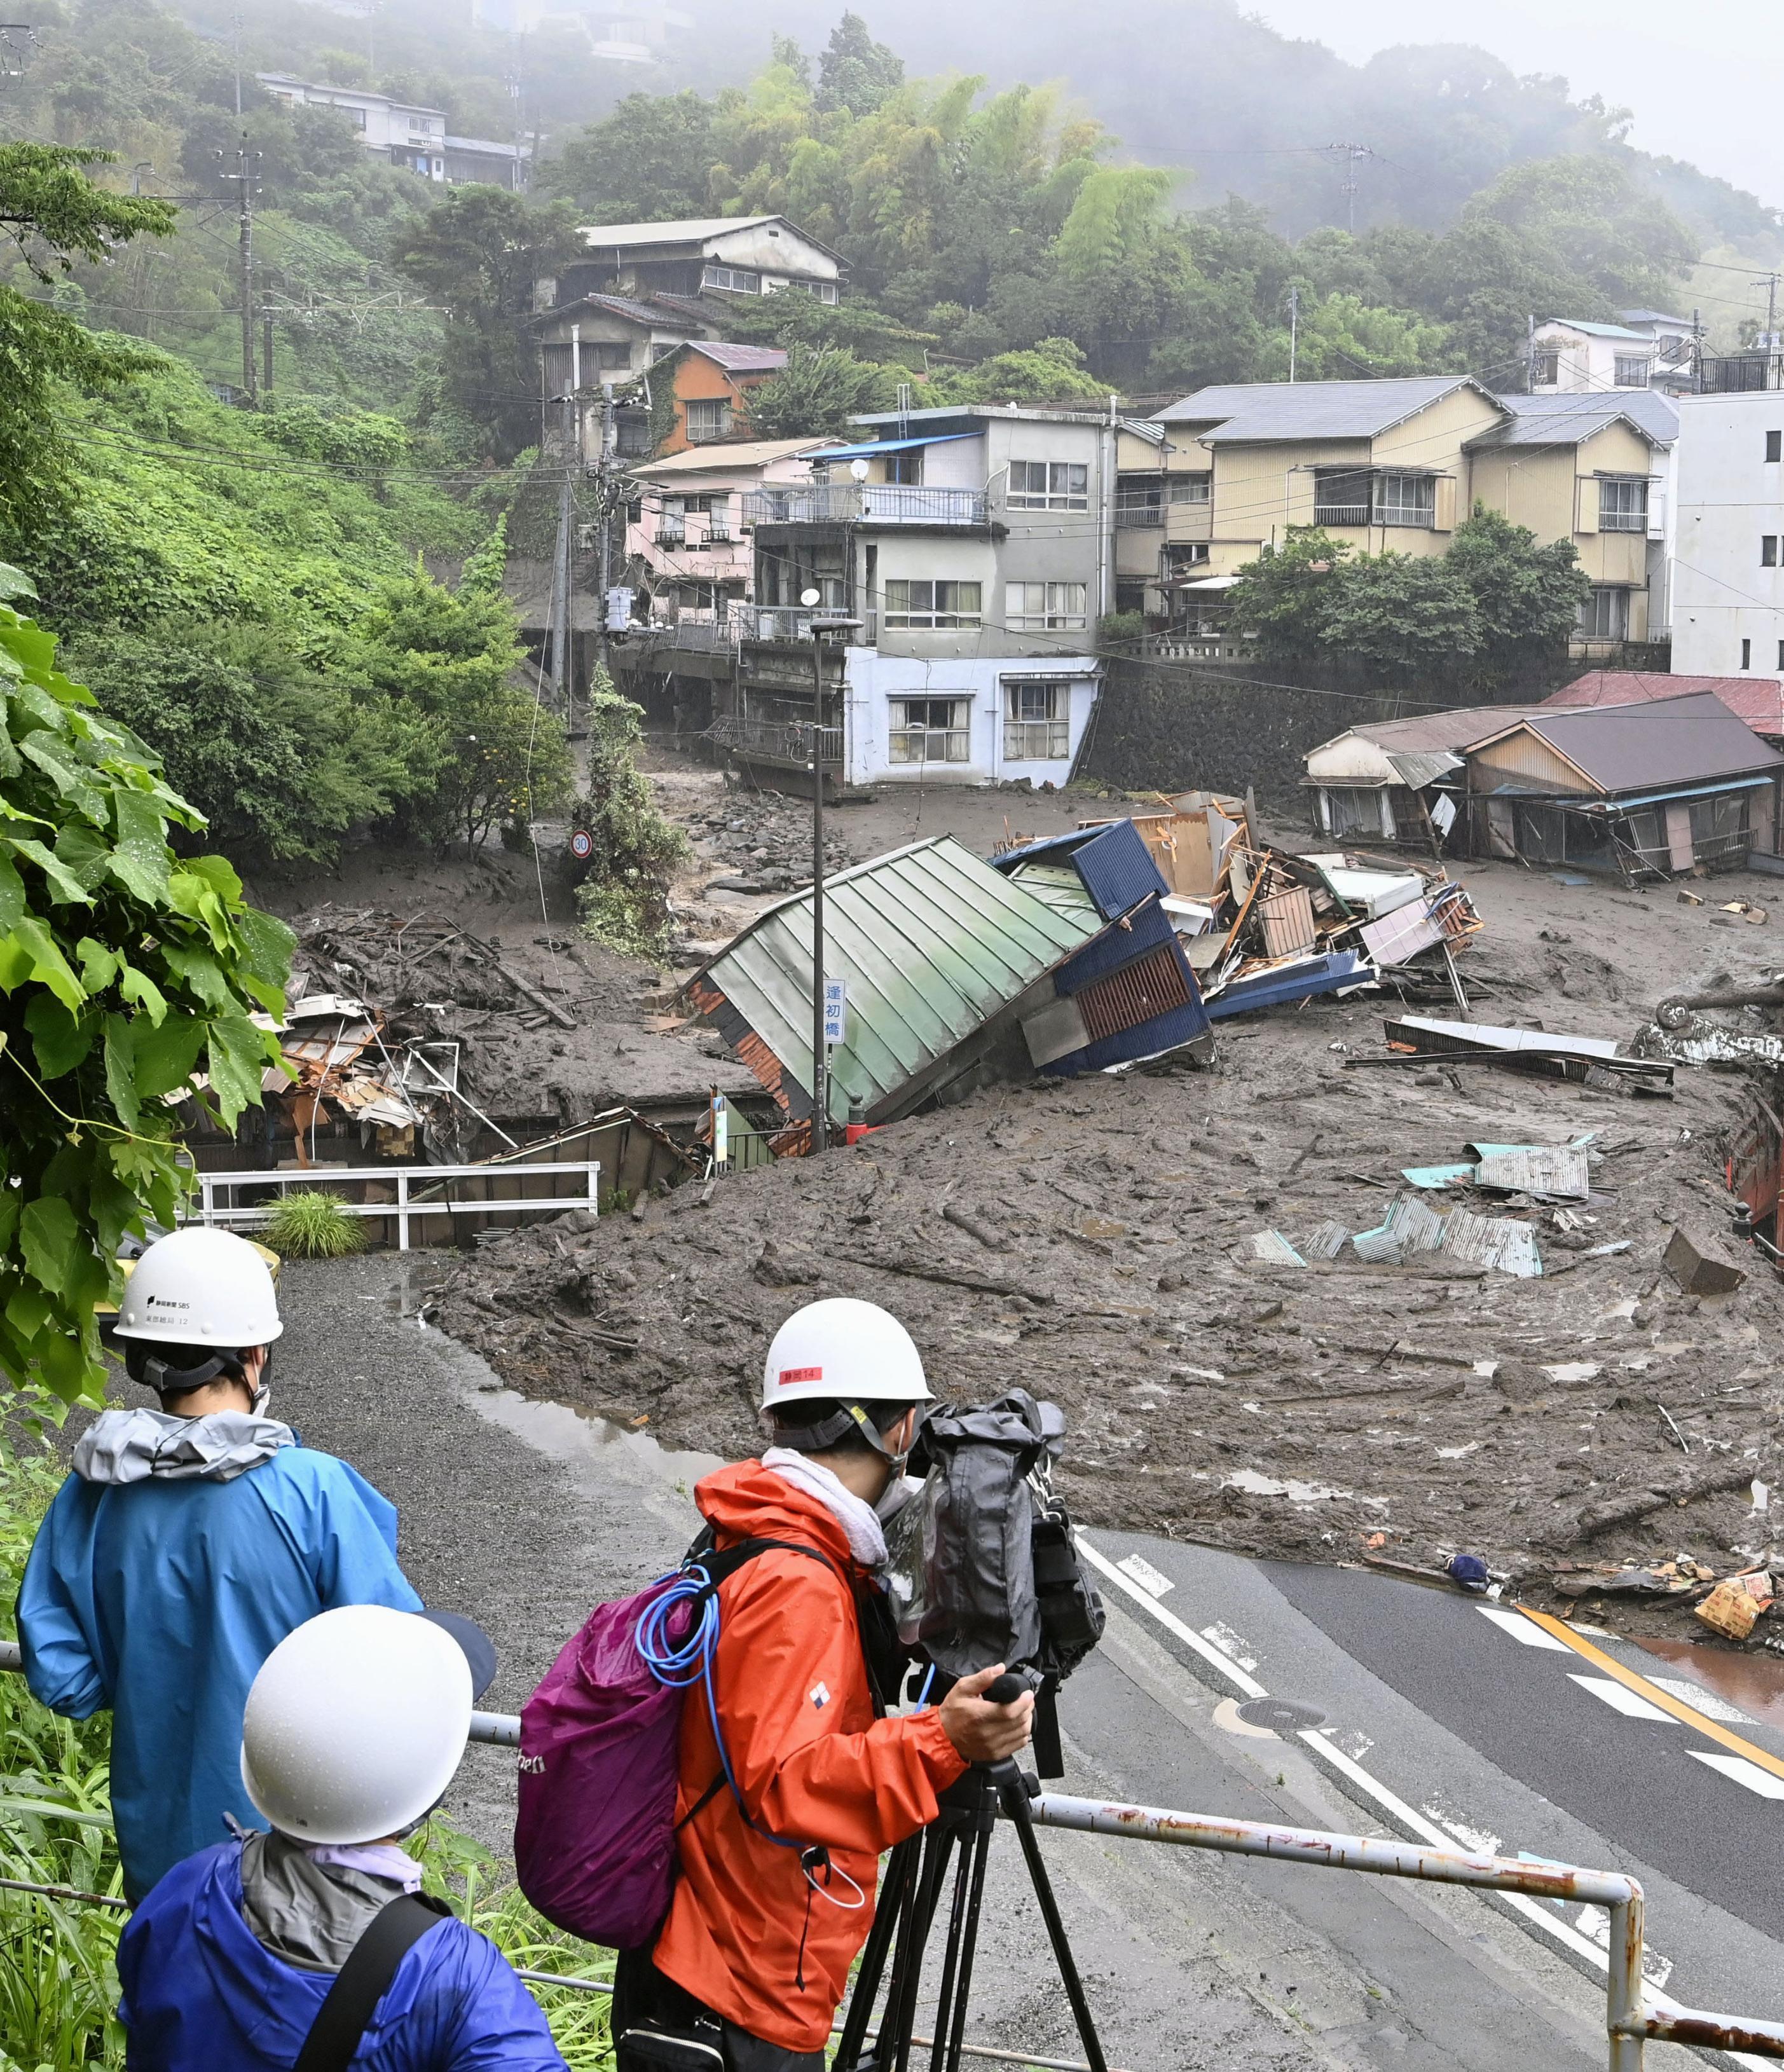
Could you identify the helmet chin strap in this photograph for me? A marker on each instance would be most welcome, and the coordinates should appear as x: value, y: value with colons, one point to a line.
x: 820, y: 1438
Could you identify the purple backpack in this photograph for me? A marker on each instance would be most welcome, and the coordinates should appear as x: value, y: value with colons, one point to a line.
x: 595, y: 1836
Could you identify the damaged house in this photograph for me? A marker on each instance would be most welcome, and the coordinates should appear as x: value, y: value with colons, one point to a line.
x: 1056, y: 957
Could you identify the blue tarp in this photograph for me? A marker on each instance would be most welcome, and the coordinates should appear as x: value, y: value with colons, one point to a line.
x: 869, y: 448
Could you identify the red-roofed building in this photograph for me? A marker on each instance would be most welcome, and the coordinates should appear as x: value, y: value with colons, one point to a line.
x: 1759, y: 700
x: 709, y: 381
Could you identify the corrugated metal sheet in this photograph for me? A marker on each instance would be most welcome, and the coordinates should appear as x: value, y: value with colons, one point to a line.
x: 1147, y: 930
x: 1113, y: 862
x: 1535, y: 1169
x: 1151, y: 986
x: 1500, y: 1242
x: 1062, y: 888
x: 930, y: 942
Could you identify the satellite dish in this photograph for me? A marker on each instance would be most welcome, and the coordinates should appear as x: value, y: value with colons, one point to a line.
x: 858, y: 469
x: 809, y: 597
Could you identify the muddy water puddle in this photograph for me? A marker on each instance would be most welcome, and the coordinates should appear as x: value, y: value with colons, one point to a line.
x: 1752, y: 1683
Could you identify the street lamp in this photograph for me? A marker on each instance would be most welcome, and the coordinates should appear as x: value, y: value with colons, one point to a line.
x: 821, y: 1060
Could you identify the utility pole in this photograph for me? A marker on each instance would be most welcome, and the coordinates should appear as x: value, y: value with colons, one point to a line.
x: 245, y: 162
x: 821, y: 1054
x: 561, y: 666
x: 266, y: 354
x: 236, y: 23
x: 1769, y: 282
x: 603, y: 512
x: 1352, y: 156
x: 1294, y: 327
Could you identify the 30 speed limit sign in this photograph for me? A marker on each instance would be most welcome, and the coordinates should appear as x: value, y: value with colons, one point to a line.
x: 582, y: 845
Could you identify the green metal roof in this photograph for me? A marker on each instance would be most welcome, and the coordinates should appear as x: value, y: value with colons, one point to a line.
x: 931, y: 941
x: 1060, y: 885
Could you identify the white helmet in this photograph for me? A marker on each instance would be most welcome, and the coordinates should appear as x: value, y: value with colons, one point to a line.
x: 355, y: 1725
x: 200, y: 1287
x: 846, y: 1350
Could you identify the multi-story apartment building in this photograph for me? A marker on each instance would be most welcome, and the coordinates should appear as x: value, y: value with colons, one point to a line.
x: 1728, y: 616
x: 1397, y: 465
x: 975, y: 546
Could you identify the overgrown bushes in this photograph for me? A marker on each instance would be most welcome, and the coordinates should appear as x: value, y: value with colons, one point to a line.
x: 624, y: 895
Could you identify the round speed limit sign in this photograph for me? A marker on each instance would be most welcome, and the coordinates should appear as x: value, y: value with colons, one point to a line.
x: 581, y: 845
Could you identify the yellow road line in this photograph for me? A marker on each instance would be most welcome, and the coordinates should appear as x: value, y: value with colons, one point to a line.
x: 1712, y: 1729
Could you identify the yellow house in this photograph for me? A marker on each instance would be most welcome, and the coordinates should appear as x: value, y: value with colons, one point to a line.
x: 1390, y: 466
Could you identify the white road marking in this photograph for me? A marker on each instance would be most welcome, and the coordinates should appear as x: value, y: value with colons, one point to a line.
x: 1247, y: 1686
x: 1736, y: 1767
x: 1537, y: 1912
x: 1520, y: 1628
x: 1711, y: 1706
x: 1154, y: 1581
x: 1234, y: 1646
x: 1620, y: 1699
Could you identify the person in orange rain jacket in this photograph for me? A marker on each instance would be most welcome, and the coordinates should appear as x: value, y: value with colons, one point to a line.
x: 775, y: 1895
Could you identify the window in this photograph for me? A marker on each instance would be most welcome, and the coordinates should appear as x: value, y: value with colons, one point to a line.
x: 906, y: 467
x: 1037, y: 722
x: 609, y: 358
x: 1605, y: 615
x: 1622, y: 504
x: 825, y: 290
x: 1774, y: 446
x: 1545, y: 369
x: 1048, y: 485
x: 1341, y: 496
x: 1780, y: 654
x: 1768, y: 550
x: 1130, y: 592
x: 1139, y: 500
x: 931, y: 730
x: 1746, y: 654
x: 738, y: 280
x: 1406, y: 499
x: 1045, y: 607
x: 1632, y: 370
x: 941, y: 607
x: 1192, y: 489
x: 708, y: 418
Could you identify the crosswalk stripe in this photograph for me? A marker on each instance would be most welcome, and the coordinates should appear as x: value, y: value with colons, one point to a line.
x: 1619, y: 1698
x: 1737, y: 1768
x: 1522, y: 1629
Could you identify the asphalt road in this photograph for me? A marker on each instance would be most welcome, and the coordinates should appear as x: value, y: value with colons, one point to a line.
x: 1424, y: 1718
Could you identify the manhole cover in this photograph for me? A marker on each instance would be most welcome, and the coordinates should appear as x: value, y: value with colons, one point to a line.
x: 1281, y: 1714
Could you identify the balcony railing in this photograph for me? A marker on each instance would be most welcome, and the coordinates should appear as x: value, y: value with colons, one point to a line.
x: 1736, y: 374
x: 1139, y: 514
x: 1340, y: 514
x: 771, y: 622
x: 863, y: 503
x: 786, y: 741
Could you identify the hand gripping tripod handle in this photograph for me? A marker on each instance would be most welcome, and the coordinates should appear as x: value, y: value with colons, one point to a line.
x: 1007, y: 1689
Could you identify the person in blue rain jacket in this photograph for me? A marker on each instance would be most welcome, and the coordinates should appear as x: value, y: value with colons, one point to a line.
x: 354, y: 1728
x: 187, y: 1542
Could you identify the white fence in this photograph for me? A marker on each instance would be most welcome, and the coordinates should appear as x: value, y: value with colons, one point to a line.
x: 224, y: 1214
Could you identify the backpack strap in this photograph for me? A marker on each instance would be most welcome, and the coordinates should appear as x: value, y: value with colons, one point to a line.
x: 365, y: 1979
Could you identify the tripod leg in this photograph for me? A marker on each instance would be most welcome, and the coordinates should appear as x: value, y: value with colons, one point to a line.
x: 1015, y: 1798
x: 900, y: 2004
x: 951, y: 1954
x: 969, y: 1939
x: 901, y: 1876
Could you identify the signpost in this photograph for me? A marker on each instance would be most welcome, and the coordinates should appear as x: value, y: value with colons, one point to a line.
x: 835, y: 1013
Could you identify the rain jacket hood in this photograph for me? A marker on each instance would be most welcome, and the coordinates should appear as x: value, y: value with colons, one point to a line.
x: 201, y: 1994
x: 160, y: 1595
x: 747, y: 1934
x: 128, y: 1445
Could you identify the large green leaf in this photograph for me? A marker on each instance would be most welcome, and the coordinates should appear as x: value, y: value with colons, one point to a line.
x: 165, y: 1056
x: 60, y: 1039
x: 50, y: 1238
x: 42, y: 962
x: 239, y: 1055
x: 12, y: 896
x: 141, y: 991
x: 121, y: 1068
x: 66, y: 887
x: 140, y: 861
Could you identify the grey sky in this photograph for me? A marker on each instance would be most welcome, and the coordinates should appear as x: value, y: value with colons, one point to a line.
x: 1705, y: 77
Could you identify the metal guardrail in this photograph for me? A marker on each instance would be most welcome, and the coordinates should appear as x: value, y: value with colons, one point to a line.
x: 1629, y: 2021
x: 406, y: 1206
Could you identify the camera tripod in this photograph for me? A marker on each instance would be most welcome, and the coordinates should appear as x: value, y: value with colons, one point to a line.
x: 907, y: 1905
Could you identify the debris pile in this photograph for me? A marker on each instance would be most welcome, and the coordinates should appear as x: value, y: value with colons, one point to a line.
x: 345, y: 1069
x: 762, y: 842
x: 1093, y: 1240
x: 1265, y: 927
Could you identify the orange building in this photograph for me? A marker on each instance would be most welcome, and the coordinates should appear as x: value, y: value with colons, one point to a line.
x: 710, y: 383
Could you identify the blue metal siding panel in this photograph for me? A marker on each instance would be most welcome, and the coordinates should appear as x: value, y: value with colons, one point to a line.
x: 1118, y: 871
x: 1164, y: 1032
x: 1117, y: 946
x: 1048, y: 846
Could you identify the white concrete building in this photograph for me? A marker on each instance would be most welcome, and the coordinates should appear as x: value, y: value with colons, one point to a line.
x: 1644, y: 350
x: 408, y: 134
x: 975, y: 544
x: 1728, y: 611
